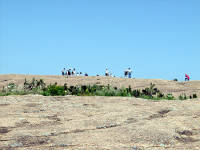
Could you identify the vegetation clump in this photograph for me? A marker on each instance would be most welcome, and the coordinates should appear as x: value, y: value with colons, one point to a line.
x: 175, y: 79
x: 39, y: 87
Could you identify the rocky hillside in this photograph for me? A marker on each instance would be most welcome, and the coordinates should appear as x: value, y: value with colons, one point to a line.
x: 35, y: 122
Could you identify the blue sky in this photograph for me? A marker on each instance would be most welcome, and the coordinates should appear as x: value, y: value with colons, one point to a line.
x: 156, y: 38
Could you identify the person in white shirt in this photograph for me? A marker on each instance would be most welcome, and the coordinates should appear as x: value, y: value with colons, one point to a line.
x: 129, y: 72
x: 107, y: 72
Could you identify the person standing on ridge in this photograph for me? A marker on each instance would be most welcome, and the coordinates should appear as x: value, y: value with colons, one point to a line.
x: 74, y: 72
x: 70, y: 72
x: 66, y: 73
x: 63, y: 72
x: 126, y: 73
x: 107, y: 72
x: 129, y: 72
x: 187, y: 78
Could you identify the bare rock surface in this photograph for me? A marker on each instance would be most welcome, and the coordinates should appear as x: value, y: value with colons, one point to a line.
x: 35, y: 122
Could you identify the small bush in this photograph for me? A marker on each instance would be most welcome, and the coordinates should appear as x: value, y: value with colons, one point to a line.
x: 182, y: 97
x: 136, y: 93
x: 11, y: 87
x: 54, y: 90
x: 169, y: 97
x: 194, y: 95
x: 175, y: 79
x: 100, y: 93
x: 160, y: 95
x: 34, y: 85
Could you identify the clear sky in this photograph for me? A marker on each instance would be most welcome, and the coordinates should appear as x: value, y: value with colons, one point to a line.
x: 156, y: 38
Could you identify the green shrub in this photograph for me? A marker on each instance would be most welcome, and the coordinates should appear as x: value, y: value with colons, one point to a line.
x: 34, y: 85
x: 169, y: 97
x: 150, y: 91
x: 110, y: 91
x: 123, y: 92
x: 100, y: 93
x: 11, y: 87
x: 146, y: 96
x: 182, y: 97
x: 136, y: 93
x: 194, y: 95
x: 54, y: 90
x: 160, y: 95
x: 175, y: 79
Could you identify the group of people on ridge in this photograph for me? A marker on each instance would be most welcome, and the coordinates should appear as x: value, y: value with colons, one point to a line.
x: 72, y: 72
x: 127, y: 73
x: 107, y: 73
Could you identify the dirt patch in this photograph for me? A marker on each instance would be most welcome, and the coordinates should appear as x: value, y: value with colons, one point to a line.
x: 54, y: 117
x: 4, y: 104
x: 186, y: 139
x: 31, y: 105
x: 185, y: 132
x: 160, y: 114
x: 164, y: 111
x: 185, y: 136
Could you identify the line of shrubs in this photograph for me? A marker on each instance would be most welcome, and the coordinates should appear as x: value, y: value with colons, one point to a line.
x: 39, y: 87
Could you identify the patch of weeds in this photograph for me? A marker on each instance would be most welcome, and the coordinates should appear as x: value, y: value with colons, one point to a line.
x: 169, y: 97
x: 182, y: 97
x: 194, y: 95
x: 54, y: 90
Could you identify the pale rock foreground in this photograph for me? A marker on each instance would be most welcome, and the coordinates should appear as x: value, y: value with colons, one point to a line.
x: 35, y: 122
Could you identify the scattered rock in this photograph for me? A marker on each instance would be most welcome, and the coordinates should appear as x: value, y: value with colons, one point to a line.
x: 5, y: 104
x: 160, y: 114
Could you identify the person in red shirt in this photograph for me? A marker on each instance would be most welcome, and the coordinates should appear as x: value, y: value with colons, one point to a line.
x: 187, y: 78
